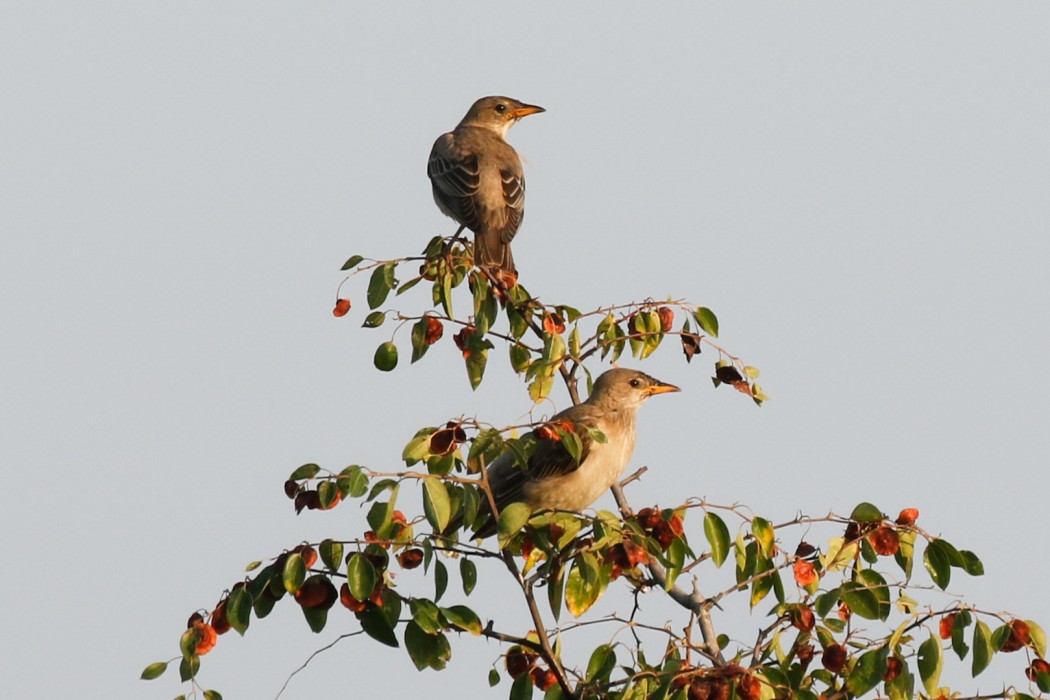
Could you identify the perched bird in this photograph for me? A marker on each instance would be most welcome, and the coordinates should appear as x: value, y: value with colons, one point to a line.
x: 478, y: 180
x: 553, y: 478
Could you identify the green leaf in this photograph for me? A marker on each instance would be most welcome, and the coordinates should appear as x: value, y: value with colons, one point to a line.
x: 331, y: 554
x: 903, y: 686
x: 476, y: 362
x: 376, y: 625
x: 936, y: 561
x: 426, y: 650
x: 556, y: 591
x: 380, y: 284
x: 386, y: 357
x: 874, y: 582
x: 408, y: 285
x: 521, y: 689
x: 905, y: 555
x: 867, y: 672
x: 930, y: 663
x: 154, y: 670
x: 212, y: 695
x: 188, y: 667
x: 444, y: 288
x: 307, y: 471
x: 962, y: 621
x: 676, y: 560
x: 493, y: 678
x: 352, y: 262
x: 520, y: 358
x: 353, y: 482
x: 462, y: 617
x: 717, y: 536
x: 238, y: 609
x: 511, y: 520
x: 860, y: 600
x: 294, y: 572
x: 763, y: 532
x: 707, y: 321
x: 866, y: 513
x: 436, y: 504
x: 440, y: 580
x: 601, y: 664
x: 419, y: 339
x: 584, y: 585
x: 374, y: 319
x: 469, y: 573
x: 316, y: 618
x: 427, y: 615
x: 970, y: 563
x: 360, y: 576
x: 982, y: 648
x: 761, y: 586
x: 1038, y: 637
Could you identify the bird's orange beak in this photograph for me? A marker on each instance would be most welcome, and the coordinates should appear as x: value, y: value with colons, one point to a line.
x: 661, y: 389
x: 526, y: 110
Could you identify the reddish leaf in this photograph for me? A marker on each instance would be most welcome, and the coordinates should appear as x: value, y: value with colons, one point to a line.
x: 1038, y: 666
x: 342, y: 306
x: 1019, y: 637
x: 434, y: 331
x: 206, y: 639
x: 666, y: 318
x: 908, y: 516
x: 519, y: 661
x: 690, y: 345
x: 218, y: 618
x: 462, y: 339
x: 728, y: 374
x: 885, y: 541
x: 291, y: 488
x: 410, y: 558
x: 749, y: 688
x: 834, y: 658
x: 553, y: 323
x: 893, y: 669
x: 805, y: 574
x: 946, y: 625
x: 802, y: 618
x: 316, y: 592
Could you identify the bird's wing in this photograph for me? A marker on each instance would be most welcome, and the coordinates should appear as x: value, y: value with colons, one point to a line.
x: 550, y: 459
x: 456, y: 177
x: 514, y: 197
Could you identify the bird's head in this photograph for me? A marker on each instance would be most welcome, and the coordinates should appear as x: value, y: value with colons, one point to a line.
x: 497, y: 113
x: 627, y: 388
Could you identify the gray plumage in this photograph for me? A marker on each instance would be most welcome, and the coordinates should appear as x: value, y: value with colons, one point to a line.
x: 477, y: 179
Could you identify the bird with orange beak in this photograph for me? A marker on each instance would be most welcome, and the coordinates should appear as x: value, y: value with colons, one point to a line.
x: 478, y: 180
x: 554, y: 478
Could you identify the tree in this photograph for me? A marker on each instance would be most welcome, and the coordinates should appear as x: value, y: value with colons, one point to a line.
x: 845, y: 617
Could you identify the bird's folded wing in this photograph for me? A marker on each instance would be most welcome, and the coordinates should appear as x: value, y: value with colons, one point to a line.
x: 514, y: 197
x: 456, y: 177
x: 550, y: 459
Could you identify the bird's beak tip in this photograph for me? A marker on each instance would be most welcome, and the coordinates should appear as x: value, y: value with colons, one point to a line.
x: 526, y: 110
x: 663, y: 389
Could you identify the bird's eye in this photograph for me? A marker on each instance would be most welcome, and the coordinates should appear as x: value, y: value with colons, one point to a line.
x: 635, y: 383
x: 501, y: 108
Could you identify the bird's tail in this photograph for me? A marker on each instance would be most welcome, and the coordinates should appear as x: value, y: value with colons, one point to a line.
x: 493, y: 255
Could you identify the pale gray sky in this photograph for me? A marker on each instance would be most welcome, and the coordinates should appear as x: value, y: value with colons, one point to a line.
x: 859, y: 192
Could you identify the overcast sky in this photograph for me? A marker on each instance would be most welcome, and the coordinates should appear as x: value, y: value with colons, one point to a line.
x: 860, y: 192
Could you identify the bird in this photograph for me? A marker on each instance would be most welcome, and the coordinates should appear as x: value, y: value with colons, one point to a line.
x: 553, y: 479
x: 478, y: 180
